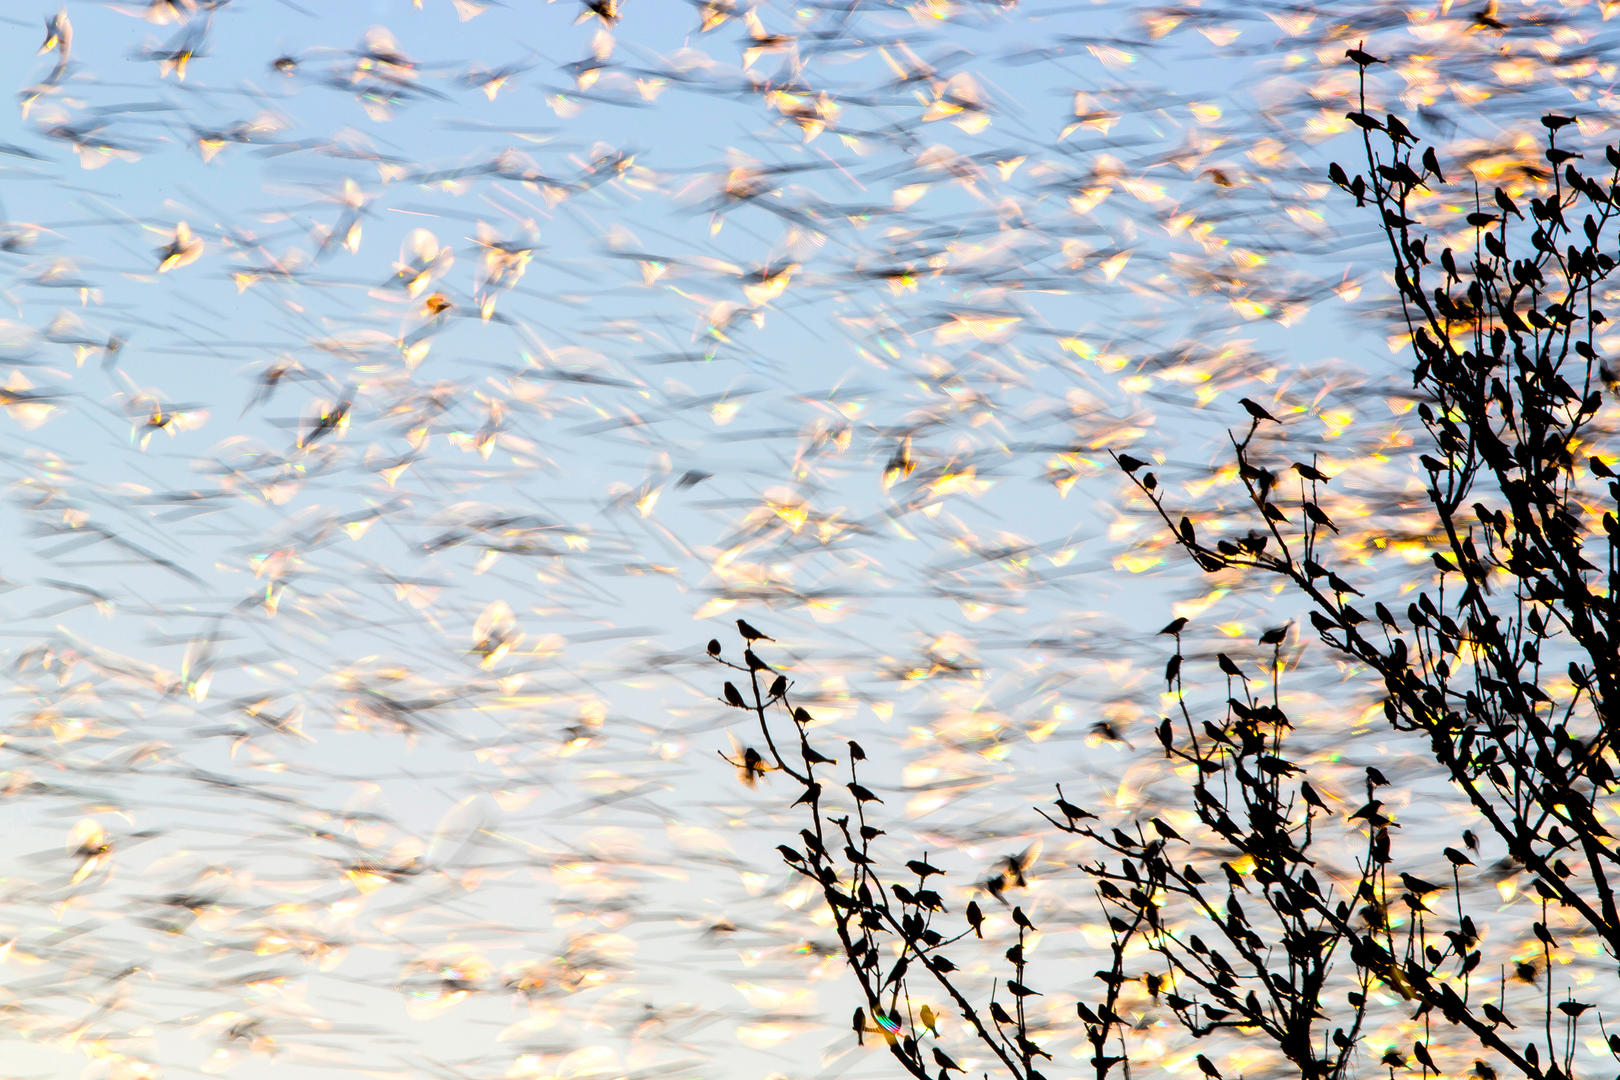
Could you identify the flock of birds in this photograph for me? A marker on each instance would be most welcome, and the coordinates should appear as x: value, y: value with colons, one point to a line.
x: 394, y: 395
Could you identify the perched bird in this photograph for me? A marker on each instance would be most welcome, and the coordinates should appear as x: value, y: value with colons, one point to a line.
x: 1418, y: 885
x: 1068, y: 809
x: 1255, y: 410
x: 1421, y: 1052
x: 749, y: 633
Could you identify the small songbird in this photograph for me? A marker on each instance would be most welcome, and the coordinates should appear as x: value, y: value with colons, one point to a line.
x: 1362, y: 57
x: 1255, y: 410
x: 1426, y: 1059
x: 749, y: 633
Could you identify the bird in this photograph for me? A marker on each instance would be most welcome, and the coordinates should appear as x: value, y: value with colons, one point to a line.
x: 1255, y: 410
x: 182, y: 249
x: 1372, y: 814
x: 749, y: 633
x: 58, y: 39
x: 331, y: 418
x: 1068, y: 809
x: 1421, y: 1052
x: 1431, y: 164
x: 1418, y: 885
x: 1010, y: 872
x: 1164, y: 829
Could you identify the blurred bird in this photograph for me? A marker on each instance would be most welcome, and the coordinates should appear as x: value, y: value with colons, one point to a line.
x: 330, y: 418
x: 1010, y: 872
x: 58, y: 39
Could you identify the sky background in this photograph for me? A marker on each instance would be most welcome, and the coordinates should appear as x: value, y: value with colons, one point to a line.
x: 388, y: 746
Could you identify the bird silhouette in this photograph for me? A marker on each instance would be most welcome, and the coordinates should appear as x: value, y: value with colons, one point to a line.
x: 749, y: 633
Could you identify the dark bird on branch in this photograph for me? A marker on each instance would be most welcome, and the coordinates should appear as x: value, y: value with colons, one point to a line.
x: 1256, y: 411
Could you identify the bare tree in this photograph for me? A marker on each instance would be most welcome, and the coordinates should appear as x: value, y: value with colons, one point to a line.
x: 1301, y: 927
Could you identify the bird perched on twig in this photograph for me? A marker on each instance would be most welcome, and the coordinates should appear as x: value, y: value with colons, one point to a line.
x: 749, y: 633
